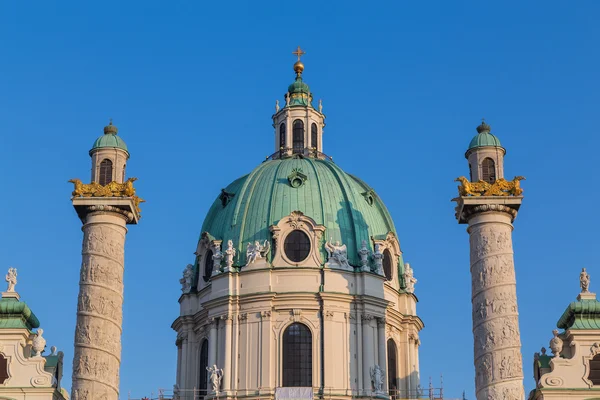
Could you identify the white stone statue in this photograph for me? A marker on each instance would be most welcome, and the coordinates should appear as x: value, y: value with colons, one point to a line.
x: 321, y: 106
x: 556, y: 344
x: 276, y: 105
x: 377, y: 378
x: 584, y: 281
x: 217, y: 257
x: 287, y: 99
x: 216, y: 374
x: 337, y: 253
x: 257, y: 251
x: 409, y: 279
x: 38, y: 343
x: 229, y: 254
x: 378, y: 260
x: 363, y: 253
x: 186, y: 281
x: 53, y: 350
x: 11, y: 278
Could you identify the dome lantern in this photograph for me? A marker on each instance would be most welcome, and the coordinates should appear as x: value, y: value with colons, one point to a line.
x: 485, y: 155
x: 298, y: 125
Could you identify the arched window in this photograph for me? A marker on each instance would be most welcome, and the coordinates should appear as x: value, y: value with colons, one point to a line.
x: 388, y: 264
x: 488, y: 170
x: 105, y: 172
x: 203, y: 384
x: 123, y: 178
x: 298, y: 136
x: 391, y: 366
x: 470, y: 173
x: 314, y: 137
x: 208, y: 265
x: 297, y: 356
x: 282, y: 136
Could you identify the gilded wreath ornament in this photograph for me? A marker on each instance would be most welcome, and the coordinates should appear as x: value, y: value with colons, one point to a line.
x: 501, y: 187
x: 112, y: 189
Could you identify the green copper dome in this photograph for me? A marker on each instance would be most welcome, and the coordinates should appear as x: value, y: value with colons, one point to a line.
x: 484, y: 138
x: 348, y: 208
x: 109, y: 139
x: 298, y: 86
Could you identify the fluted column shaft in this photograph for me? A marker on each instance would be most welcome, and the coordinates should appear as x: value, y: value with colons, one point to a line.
x: 97, y: 355
x: 498, y: 363
x: 368, y: 351
x: 212, y: 347
x: 382, y: 350
x: 227, y: 370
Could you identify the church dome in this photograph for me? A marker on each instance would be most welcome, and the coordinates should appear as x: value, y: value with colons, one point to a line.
x: 298, y: 86
x: 348, y: 208
x: 109, y: 139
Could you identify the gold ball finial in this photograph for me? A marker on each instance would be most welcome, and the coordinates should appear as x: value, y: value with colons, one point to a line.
x: 298, y: 67
x: 110, y: 128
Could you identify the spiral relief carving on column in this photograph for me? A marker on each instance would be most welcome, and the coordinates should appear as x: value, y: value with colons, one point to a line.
x: 497, y: 343
x: 97, y: 355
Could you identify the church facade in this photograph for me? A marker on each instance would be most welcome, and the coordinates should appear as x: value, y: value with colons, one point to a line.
x: 299, y: 280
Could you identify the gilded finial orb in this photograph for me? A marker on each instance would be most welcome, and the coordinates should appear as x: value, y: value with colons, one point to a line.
x: 483, y: 127
x: 110, y: 128
x: 298, y: 67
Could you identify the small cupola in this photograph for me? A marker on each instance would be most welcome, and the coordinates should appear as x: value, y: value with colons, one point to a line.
x: 298, y: 125
x: 109, y: 157
x: 485, y: 155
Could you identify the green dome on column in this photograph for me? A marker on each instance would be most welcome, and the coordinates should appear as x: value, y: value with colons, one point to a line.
x: 484, y: 138
x: 109, y: 139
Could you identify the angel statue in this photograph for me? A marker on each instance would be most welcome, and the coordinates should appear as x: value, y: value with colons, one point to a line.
x: 186, y: 281
x: 409, y: 278
x: 257, y: 251
x: 377, y: 378
x: 11, y: 278
x: 38, y: 343
x: 584, y: 281
x: 216, y: 374
x: 337, y: 253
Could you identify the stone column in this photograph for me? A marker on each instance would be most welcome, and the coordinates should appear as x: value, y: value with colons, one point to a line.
x: 97, y: 355
x: 227, y: 370
x: 368, y: 352
x: 212, y: 348
x: 382, y: 350
x: 498, y: 363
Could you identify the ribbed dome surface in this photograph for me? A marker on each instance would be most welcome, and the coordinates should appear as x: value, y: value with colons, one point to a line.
x: 484, y: 139
x: 109, y: 140
x: 345, y: 205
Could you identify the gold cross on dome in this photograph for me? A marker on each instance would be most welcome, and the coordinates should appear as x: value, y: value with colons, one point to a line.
x: 299, y: 52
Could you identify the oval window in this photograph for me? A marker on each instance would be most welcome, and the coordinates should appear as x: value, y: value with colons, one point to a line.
x: 208, y: 265
x: 297, y: 246
x: 387, y: 264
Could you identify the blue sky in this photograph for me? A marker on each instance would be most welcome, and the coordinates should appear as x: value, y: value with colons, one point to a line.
x: 192, y: 86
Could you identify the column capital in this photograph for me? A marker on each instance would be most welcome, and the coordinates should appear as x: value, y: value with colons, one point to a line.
x: 468, y: 206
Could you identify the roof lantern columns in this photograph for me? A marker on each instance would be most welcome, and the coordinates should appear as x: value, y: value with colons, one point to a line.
x: 298, y: 125
x: 489, y: 205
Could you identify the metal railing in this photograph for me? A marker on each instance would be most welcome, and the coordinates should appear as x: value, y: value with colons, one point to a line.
x: 318, y: 394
